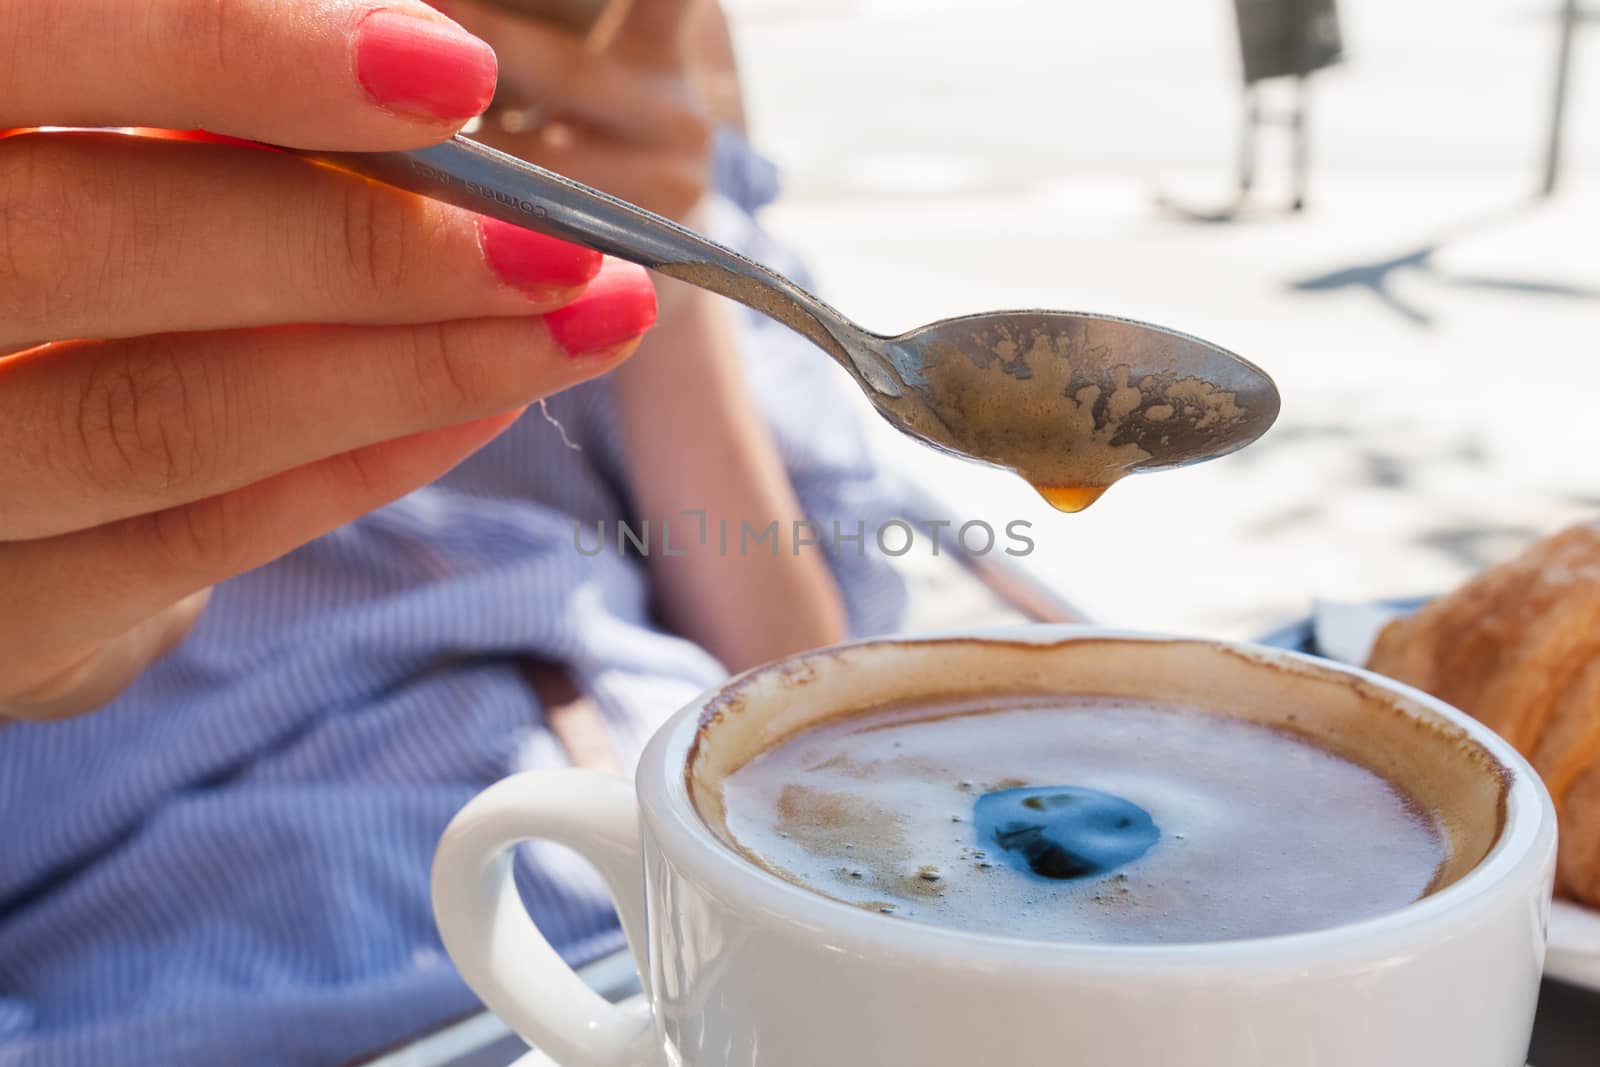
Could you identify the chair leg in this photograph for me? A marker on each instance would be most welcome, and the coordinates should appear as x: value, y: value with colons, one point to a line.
x: 1247, y: 140
x: 1302, y: 141
x: 1558, y: 106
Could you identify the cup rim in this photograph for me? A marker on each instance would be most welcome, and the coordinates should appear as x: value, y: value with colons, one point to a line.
x: 1521, y: 853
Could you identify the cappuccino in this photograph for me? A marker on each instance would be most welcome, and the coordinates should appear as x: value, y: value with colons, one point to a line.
x: 1082, y: 819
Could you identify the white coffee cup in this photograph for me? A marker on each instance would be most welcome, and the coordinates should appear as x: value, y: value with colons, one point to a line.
x: 741, y: 968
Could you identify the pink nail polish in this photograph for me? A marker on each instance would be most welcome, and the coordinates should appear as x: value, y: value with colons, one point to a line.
x: 619, y: 305
x: 531, y: 261
x: 424, y: 67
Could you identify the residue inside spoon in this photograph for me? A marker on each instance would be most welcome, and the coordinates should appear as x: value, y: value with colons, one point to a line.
x: 1073, y: 404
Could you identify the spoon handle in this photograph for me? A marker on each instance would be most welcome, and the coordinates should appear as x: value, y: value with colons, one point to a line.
x: 473, y: 176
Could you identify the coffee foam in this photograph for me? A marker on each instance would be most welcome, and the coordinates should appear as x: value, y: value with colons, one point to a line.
x: 1453, y: 779
x: 1167, y: 823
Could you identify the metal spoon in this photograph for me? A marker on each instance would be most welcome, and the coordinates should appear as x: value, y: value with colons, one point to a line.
x: 1069, y: 401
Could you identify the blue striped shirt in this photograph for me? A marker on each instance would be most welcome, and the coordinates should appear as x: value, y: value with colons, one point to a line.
x: 229, y: 864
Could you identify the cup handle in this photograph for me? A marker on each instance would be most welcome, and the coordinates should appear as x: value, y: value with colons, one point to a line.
x: 496, y: 946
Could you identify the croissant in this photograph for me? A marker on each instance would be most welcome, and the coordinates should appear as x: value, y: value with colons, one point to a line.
x: 1518, y: 648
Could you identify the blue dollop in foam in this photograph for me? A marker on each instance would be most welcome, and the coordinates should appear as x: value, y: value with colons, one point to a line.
x: 1063, y: 832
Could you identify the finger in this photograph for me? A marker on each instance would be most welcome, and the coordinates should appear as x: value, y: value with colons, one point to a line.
x: 633, y: 106
x: 95, y: 431
x: 337, y: 74
x: 655, y: 31
x: 108, y: 235
x: 106, y: 671
x: 552, y: 70
x: 85, y: 589
x: 545, y: 55
x: 669, y: 184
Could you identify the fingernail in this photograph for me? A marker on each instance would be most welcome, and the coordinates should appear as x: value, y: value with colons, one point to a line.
x: 424, y: 67
x: 533, y: 262
x: 619, y: 305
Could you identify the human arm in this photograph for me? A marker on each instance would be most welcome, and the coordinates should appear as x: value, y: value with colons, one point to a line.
x: 631, y: 119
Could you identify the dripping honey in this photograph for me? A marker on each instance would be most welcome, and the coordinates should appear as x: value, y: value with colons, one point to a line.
x: 1070, y: 498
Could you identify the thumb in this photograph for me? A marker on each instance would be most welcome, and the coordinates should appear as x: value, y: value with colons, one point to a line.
x: 651, y: 33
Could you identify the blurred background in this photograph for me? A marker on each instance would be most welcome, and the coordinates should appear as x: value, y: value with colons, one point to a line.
x: 1433, y: 323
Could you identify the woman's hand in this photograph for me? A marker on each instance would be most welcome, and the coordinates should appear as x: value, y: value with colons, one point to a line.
x: 627, y: 117
x: 169, y: 414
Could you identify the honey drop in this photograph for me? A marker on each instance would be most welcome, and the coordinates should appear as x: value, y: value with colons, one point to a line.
x: 1071, y: 498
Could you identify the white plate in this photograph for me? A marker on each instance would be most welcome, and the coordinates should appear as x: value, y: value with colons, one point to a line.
x: 1346, y: 632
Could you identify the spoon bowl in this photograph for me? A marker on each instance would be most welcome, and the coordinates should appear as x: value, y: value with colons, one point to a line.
x: 1072, y: 400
